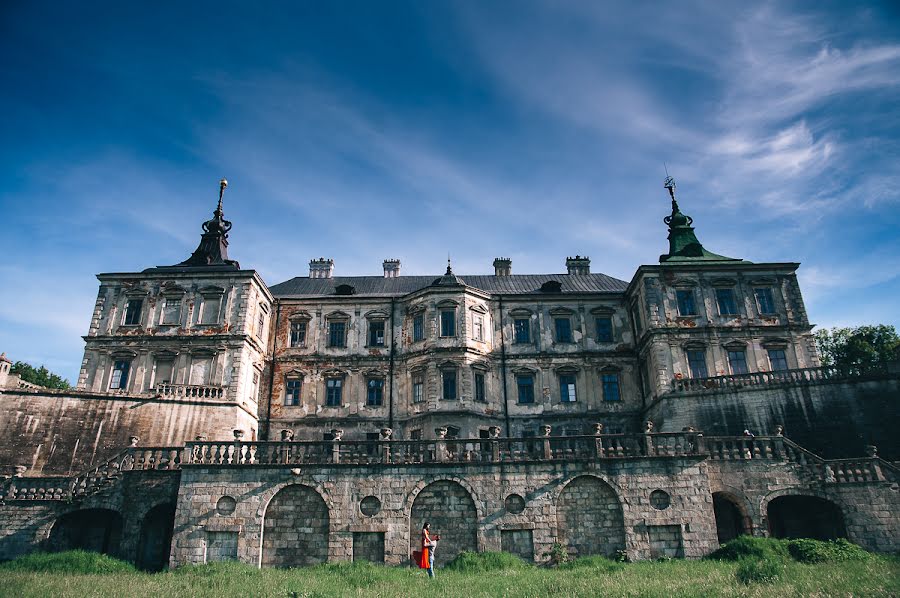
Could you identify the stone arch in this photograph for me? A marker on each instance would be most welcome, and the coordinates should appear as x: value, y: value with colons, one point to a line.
x: 155, y: 540
x: 732, y: 516
x: 94, y: 530
x: 589, y: 517
x: 451, y: 510
x: 295, y: 528
x: 804, y: 514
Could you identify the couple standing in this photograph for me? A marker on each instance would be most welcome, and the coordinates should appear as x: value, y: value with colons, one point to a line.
x: 429, y: 543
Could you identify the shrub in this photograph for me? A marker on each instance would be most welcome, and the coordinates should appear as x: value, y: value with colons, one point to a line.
x: 756, y: 570
x: 72, y: 562
x: 474, y: 562
x: 748, y: 546
x: 598, y: 564
x: 805, y: 550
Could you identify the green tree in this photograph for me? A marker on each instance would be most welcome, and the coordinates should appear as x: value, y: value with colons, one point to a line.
x: 40, y: 376
x: 863, y: 347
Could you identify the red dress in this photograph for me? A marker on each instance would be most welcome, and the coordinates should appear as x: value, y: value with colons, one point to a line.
x: 423, y: 560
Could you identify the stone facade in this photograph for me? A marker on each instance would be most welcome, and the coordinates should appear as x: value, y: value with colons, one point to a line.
x: 328, y: 418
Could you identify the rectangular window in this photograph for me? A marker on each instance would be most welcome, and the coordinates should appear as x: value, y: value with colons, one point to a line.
x: 563, y: 330
x: 333, y: 392
x: 448, y: 323
x: 525, y: 385
x: 133, y: 312
x: 418, y: 388
x: 725, y: 301
x: 610, y: 387
x: 210, y: 310
x: 119, y: 378
x: 523, y: 330
x: 419, y: 328
x: 337, y: 334
x: 292, y: 392
x: 686, y: 306
x: 260, y: 326
x: 298, y: 334
x: 697, y: 364
x: 604, y: 330
x: 448, y: 378
x: 171, y: 313
x: 415, y: 434
x: 478, y: 328
x: 737, y: 361
x: 479, y: 388
x: 376, y: 333
x: 164, y: 370
x: 764, y: 300
x: 200, y: 370
x: 567, y: 388
x: 777, y: 360
x: 375, y: 392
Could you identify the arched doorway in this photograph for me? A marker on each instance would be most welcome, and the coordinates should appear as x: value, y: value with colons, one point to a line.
x: 295, y: 528
x: 731, y: 521
x: 156, y: 538
x: 800, y: 516
x: 451, y: 511
x: 94, y: 530
x: 589, y: 518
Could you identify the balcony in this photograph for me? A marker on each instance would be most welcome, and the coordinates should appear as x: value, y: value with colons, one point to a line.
x: 796, y: 376
x: 189, y: 391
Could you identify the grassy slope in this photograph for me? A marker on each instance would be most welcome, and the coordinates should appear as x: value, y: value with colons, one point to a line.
x: 878, y: 576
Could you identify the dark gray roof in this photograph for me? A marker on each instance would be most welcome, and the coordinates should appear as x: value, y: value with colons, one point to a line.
x: 379, y: 286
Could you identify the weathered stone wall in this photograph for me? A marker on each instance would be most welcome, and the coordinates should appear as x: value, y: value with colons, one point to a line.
x: 451, y: 513
x: 64, y: 432
x: 832, y: 419
x: 295, y: 528
x: 590, y: 518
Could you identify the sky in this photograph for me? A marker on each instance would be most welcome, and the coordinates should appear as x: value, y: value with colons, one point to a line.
x: 362, y: 131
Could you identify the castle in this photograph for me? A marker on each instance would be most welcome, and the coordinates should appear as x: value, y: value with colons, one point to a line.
x: 326, y: 417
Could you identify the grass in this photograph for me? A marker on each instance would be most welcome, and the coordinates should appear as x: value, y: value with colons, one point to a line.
x: 473, y: 575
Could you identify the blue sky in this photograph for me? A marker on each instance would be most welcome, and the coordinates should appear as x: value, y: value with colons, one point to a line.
x: 360, y: 131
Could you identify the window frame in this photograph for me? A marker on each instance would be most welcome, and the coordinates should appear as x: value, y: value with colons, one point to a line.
x: 732, y: 297
x: 525, y: 380
x: 418, y: 327
x: 604, y: 338
x: 336, y: 389
x: 293, y: 340
x: 479, y: 387
x: 769, y: 297
x: 160, y: 359
x: 372, y: 327
x: 449, y: 375
x: 333, y: 322
x: 478, y: 327
x: 170, y: 301
x: 451, y: 313
x: 783, y: 352
x: 124, y: 374
x: 737, y: 351
x: 688, y: 352
x: 293, y: 397
x: 611, y: 385
x: 204, y: 308
x: 418, y: 381
x: 556, y: 329
x: 680, y: 296
x: 568, y: 391
x: 378, y: 387
x: 136, y: 315
x: 526, y: 329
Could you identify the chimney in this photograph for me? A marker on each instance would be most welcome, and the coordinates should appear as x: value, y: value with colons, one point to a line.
x: 578, y: 265
x: 502, y: 266
x: 321, y: 268
x: 391, y: 268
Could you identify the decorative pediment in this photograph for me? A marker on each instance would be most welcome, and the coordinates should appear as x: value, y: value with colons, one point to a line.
x: 447, y: 303
x: 610, y: 368
x: 123, y: 354
x: 482, y: 367
x: 211, y: 290
x: 165, y: 354
x: 684, y: 283
x: 723, y: 282
x: 447, y: 365
x: 775, y: 343
x: 603, y: 310
x: 764, y: 281
x: 171, y: 288
x: 524, y: 371
x: 567, y: 369
x: 417, y: 308
x: 376, y: 314
x: 561, y: 311
x: 333, y: 373
x: 295, y: 373
x: 735, y: 345
x: 202, y: 352
x: 299, y: 316
x: 337, y: 315
x: 478, y: 308
x: 136, y: 292
x: 520, y: 312
x: 694, y: 346
x: 373, y: 373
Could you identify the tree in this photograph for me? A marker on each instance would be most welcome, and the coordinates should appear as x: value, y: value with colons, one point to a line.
x: 40, y: 376
x: 863, y: 347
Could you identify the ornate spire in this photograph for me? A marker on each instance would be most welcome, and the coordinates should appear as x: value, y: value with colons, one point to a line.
x: 449, y: 278
x: 683, y: 243
x: 213, y: 248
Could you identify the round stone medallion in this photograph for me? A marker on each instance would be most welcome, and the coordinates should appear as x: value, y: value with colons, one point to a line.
x: 370, y: 506
x: 226, y: 505
x: 659, y: 500
x: 514, y: 504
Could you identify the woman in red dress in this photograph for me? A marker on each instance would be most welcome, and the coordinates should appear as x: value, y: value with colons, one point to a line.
x: 425, y: 561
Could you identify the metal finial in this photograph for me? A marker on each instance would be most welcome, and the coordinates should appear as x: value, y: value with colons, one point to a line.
x: 222, y: 184
x: 670, y: 185
x: 449, y: 269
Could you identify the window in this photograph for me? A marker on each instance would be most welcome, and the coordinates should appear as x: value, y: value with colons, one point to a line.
x: 686, y: 305
x: 479, y: 387
x: 610, y: 384
x: 604, y: 330
x: 133, y: 312
x: 415, y: 434
x: 725, y: 301
x: 209, y: 311
x: 337, y: 334
x: 298, y: 334
x: 448, y: 323
x: 448, y: 380
x: 260, y: 325
x: 419, y: 328
x: 737, y: 361
x: 333, y: 391
x: 171, y: 313
x: 563, y: 330
x: 697, y: 363
x: 254, y: 387
x: 164, y: 370
x: 522, y: 328
x: 567, y: 388
x: 119, y: 378
x: 376, y: 333
x: 764, y: 300
x: 418, y: 388
x: 200, y: 370
x: 478, y: 327
x: 777, y: 360
x: 375, y: 392
x: 525, y: 384
x: 292, y: 392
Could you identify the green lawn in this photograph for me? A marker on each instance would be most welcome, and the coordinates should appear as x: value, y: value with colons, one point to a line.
x: 875, y: 576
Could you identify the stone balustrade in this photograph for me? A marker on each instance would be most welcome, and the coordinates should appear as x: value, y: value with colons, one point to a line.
x: 189, y: 391
x: 795, y: 376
